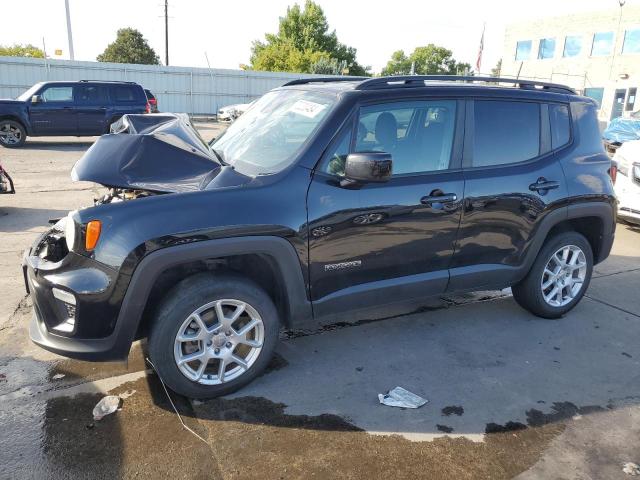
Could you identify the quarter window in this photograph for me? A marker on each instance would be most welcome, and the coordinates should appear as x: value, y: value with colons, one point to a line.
x: 547, y: 48
x: 523, y: 50
x: 125, y: 94
x: 418, y: 135
x: 57, y: 94
x: 560, y: 125
x: 602, y: 44
x: 631, y: 41
x: 505, y: 132
x: 572, y: 46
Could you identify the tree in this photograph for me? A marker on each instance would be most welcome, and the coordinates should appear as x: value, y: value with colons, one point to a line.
x: 304, y: 44
x: 129, y: 47
x: 18, y: 50
x: 495, y: 71
x: 429, y: 60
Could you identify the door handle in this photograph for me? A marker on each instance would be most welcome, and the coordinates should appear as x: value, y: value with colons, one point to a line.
x: 542, y: 185
x: 444, y: 198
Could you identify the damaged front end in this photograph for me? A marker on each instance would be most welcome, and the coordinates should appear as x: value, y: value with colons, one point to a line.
x: 148, y: 155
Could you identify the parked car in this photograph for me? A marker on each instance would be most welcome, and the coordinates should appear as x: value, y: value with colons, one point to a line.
x: 209, y: 250
x: 620, y: 130
x: 627, y: 183
x: 153, y: 102
x: 232, y: 112
x: 82, y: 108
x: 6, y: 183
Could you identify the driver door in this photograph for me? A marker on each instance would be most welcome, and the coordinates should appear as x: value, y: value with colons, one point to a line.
x: 377, y: 243
x: 54, y: 114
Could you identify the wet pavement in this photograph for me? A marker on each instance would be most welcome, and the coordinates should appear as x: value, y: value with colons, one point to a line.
x: 509, y: 394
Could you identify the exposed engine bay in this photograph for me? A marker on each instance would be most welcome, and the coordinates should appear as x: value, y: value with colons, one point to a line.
x: 115, y: 194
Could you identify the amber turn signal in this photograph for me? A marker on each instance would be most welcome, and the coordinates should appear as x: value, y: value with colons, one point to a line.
x: 92, y: 235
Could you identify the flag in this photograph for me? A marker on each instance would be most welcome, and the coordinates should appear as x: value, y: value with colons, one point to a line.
x: 479, y: 60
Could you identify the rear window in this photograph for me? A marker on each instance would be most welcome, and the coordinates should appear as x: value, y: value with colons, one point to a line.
x: 560, y: 126
x: 505, y: 132
x: 125, y: 93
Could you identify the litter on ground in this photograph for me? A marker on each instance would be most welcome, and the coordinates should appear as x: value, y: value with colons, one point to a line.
x: 399, y: 397
x: 631, y: 468
x: 106, y: 406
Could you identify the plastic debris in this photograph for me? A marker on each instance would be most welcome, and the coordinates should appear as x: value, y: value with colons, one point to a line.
x: 399, y: 397
x: 127, y: 394
x: 58, y: 376
x: 631, y: 469
x: 106, y: 406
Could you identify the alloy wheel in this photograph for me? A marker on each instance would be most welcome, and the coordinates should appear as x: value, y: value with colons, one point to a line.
x: 9, y: 134
x: 219, y: 342
x: 563, y: 276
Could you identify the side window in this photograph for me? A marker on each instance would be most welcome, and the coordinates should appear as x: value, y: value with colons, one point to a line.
x: 57, y: 94
x: 505, y: 132
x: 124, y: 94
x: 93, y: 94
x: 560, y: 126
x: 418, y: 134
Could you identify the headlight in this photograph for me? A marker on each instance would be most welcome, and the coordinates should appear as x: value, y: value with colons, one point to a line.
x: 70, y: 231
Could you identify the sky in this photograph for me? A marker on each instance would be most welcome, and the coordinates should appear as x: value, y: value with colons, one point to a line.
x: 224, y: 30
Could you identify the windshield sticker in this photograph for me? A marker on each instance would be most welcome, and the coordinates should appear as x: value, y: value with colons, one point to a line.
x: 307, y: 108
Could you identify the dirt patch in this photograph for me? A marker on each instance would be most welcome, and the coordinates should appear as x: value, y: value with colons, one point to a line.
x: 452, y: 410
x: 256, y: 432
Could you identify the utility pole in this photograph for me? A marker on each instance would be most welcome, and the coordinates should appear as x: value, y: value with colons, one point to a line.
x: 69, y: 35
x: 166, y: 31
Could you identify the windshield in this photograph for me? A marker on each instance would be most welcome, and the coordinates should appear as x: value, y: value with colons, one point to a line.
x: 269, y: 135
x: 29, y: 93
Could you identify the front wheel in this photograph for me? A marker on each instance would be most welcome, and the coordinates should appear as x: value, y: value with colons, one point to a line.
x: 213, y: 335
x: 558, y: 278
x: 12, y: 134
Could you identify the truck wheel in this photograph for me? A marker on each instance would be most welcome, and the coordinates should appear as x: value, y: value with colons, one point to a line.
x: 558, y: 278
x: 12, y: 134
x: 213, y: 335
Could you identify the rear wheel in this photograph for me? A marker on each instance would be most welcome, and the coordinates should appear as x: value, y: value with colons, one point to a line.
x: 12, y: 134
x: 558, y: 278
x: 213, y: 335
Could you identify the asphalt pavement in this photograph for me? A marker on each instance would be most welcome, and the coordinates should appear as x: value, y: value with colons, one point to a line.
x: 509, y: 394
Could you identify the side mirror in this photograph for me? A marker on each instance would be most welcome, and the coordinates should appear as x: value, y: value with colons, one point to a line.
x: 35, y: 99
x: 367, y: 167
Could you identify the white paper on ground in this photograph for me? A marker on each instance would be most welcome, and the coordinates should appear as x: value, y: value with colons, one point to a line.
x: 399, y: 397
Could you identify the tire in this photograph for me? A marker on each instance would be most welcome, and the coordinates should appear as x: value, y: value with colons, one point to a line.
x: 530, y: 293
x: 12, y: 134
x: 203, y: 293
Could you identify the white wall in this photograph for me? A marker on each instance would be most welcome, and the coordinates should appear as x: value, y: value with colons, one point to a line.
x: 178, y: 89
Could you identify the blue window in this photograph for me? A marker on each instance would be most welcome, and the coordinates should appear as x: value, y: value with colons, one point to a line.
x: 523, y: 50
x: 505, y: 132
x: 602, y: 44
x: 631, y: 41
x: 595, y: 93
x: 547, y: 48
x: 572, y: 46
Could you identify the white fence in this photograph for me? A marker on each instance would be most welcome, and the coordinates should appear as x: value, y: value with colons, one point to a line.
x: 178, y: 89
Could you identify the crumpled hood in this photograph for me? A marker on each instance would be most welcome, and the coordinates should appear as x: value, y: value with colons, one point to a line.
x: 159, y: 152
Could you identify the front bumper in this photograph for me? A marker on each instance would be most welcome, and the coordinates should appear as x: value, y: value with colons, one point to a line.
x: 74, y: 307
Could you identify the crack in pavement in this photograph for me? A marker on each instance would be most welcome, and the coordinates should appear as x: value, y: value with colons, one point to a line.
x: 615, y: 273
x: 611, y: 305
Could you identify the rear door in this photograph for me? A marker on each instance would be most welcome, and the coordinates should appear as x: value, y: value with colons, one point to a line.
x: 55, y: 113
x: 512, y: 181
x: 380, y: 243
x: 91, y: 104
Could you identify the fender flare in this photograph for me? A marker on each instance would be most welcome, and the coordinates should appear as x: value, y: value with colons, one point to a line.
x: 151, y: 266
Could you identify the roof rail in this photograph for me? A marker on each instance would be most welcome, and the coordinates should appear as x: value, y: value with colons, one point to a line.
x: 107, y: 81
x: 303, y: 81
x: 419, y: 81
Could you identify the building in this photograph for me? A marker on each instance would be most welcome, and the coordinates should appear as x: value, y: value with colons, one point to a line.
x: 597, y: 53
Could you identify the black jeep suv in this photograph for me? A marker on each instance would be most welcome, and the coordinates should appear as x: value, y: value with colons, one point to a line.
x: 327, y: 198
x: 82, y: 108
